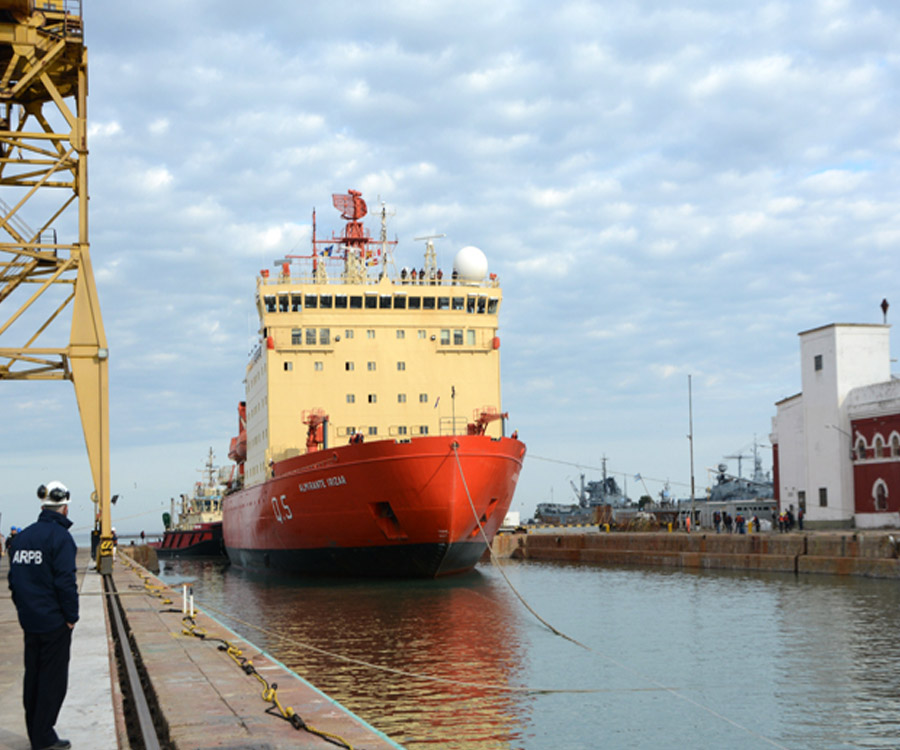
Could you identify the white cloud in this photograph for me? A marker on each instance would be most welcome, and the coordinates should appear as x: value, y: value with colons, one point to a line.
x: 159, y: 126
x: 834, y: 181
x: 103, y: 129
x: 156, y: 178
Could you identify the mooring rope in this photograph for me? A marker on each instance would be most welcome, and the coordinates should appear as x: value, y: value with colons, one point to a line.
x: 659, y: 686
x: 496, y: 562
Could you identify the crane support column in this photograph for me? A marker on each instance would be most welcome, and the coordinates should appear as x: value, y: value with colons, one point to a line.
x: 45, y: 264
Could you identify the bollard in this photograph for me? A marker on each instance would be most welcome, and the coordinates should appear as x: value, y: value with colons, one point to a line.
x: 606, y: 526
x: 670, y: 527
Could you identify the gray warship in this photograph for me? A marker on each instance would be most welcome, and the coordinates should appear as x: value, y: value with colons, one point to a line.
x: 591, y: 495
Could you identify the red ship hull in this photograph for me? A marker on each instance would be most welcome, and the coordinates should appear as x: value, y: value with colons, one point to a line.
x: 377, y: 509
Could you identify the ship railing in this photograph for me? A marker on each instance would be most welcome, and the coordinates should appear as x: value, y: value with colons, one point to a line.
x: 309, y: 278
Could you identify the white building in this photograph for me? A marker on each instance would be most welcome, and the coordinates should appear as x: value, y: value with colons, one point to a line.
x: 824, y: 438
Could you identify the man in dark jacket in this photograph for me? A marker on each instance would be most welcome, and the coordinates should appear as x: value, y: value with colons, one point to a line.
x: 45, y: 592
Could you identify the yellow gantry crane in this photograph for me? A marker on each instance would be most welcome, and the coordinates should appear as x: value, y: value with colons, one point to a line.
x: 45, y: 264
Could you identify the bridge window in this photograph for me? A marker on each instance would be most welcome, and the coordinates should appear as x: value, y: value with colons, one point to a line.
x: 355, y: 302
x: 415, y: 303
x: 492, y: 305
x: 325, y: 301
x: 270, y: 303
x: 458, y: 303
x: 296, y: 303
x: 283, y: 303
x: 311, y: 302
x: 443, y: 303
x: 399, y: 302
x: 384, y: 302
x: 428, y: 303
x: 371, y: 301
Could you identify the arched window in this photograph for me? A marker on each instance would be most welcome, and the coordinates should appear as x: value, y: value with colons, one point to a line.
x: 861, y: 448
x: 879, y: 446
x: 895, y: 445
x: 880, y: 495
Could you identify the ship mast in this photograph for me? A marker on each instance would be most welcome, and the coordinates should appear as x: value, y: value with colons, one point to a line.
x: 430, y: 255
x: 387, y: 255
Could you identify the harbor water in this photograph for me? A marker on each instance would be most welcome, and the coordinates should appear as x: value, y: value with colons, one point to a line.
x: 664, y: 659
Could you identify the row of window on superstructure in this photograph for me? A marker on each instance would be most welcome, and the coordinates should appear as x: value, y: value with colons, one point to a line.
x: 322, y: 336
x: 393, y: 430
x: 372, y: 398
x: 298, y: 302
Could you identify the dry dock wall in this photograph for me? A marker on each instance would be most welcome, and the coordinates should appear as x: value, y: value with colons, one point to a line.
x: 871, y: 555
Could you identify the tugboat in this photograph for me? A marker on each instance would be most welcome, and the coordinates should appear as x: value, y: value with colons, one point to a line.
x: 371, y: 438
x: 198, y: 529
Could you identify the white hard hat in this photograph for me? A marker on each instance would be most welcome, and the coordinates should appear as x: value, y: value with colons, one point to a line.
x: 53, y: 493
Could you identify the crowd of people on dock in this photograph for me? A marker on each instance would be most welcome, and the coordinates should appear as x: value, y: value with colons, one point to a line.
x: 725, y: 522
x: 784, y: 521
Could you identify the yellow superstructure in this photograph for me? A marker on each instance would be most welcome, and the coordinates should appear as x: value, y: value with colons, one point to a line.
x: 384, y: 356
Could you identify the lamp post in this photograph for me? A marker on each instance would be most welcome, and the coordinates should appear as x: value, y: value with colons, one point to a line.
x: 691, y: 440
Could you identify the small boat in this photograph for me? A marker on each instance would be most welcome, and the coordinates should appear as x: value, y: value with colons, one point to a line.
x: 198, y: 530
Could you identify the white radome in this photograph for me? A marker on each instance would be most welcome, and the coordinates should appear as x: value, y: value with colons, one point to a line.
x: 471, y: 264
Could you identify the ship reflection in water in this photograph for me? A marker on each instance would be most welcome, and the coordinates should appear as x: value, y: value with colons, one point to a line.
x: 706, y: 659
x: 460, y: 629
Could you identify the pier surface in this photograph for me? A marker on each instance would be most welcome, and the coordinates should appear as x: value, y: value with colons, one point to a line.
x: 204, y: 699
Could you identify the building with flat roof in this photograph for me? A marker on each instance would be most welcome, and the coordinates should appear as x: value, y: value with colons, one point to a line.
x: 836, y: 444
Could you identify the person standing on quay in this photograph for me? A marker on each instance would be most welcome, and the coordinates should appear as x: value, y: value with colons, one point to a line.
x: 45, y: 591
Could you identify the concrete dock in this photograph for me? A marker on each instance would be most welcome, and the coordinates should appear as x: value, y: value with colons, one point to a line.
x: 203, y: 697
x: 870, y: 554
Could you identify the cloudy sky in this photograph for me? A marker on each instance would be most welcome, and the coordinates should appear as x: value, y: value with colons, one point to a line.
x: 664, y: 189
